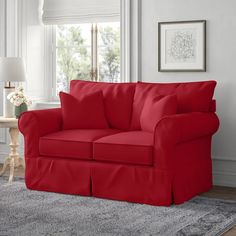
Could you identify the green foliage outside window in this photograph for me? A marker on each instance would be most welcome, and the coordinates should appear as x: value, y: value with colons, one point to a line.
x: 73, y: 54
x: 109, y: 54
x: 73, y: 57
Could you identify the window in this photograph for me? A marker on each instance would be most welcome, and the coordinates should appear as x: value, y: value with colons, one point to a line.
x: 109, y: 52
x: 86, y: 52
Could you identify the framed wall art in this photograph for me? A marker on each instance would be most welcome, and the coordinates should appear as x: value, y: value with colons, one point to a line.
x: 182, y: 46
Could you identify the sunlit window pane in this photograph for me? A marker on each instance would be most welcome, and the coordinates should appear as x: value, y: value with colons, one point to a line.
x: 73, y: 54
x: 109, y: 52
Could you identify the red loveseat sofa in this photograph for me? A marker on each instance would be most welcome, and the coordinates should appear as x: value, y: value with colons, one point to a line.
x: 123, y: 162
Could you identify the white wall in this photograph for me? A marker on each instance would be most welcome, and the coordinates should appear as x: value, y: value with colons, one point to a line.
x: 221, y: 63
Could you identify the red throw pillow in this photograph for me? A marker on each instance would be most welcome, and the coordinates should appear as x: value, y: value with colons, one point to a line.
x: 85, y: 113
x: 155, y: 108
x: 118, y: 100
x: 191, y: 97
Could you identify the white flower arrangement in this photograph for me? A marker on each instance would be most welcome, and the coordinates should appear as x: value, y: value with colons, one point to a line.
x: 17, y: 97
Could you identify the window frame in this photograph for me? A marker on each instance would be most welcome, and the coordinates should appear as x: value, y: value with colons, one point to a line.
x: 54, y: 64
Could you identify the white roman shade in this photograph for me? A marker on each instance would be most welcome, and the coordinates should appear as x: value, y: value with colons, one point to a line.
x: 80, y: 11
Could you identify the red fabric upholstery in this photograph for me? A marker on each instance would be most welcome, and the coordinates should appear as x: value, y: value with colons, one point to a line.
x: 191, y: 97
x: 193, y: 174
x: 169, y: 165
x: 34, y: 124
x: 118, y: 100
x: 58, y: 175
x: 128, y: 147
x: 140, y: 184
x: 85, y: 113
x: 72, y: 143
x: 155, y: 108
x: 213, y: 106
x: 180, y: 128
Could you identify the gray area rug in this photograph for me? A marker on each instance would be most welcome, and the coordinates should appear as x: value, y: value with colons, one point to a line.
x: 24, y: 212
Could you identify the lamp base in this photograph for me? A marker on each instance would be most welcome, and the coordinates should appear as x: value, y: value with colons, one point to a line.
x: 8, y: 107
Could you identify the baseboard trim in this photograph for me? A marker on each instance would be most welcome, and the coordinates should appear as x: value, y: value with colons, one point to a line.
x: 217, y: 158
x: 221, y: 178
x: 3, y: 155
x: 3, y: 136
x: 224, y: 172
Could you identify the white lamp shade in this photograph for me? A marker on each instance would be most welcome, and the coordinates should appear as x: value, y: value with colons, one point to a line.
x: 12, y: 69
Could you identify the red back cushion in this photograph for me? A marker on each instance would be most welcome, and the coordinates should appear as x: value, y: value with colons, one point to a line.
x: 85, y: 113
x: 191, y: 96
x: 118, y: 100
x: 155, y: 108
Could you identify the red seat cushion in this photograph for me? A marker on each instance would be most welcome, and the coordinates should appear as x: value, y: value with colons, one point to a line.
x: 71, y: 143
x: 155, y: 108
x: 88, y: 112
x: 134, y: 147
x: 118, y: 100
x: 191, y: 97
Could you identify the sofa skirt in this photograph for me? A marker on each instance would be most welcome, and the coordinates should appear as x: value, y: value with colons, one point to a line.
x: 138, y: 184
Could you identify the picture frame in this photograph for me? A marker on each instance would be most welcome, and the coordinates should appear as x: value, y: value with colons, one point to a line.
x: 182, y: 46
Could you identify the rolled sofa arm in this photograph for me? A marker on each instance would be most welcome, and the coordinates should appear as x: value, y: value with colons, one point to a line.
x: 37, y: 123
x: 180, y: 128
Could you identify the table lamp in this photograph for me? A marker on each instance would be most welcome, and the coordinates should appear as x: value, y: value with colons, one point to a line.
x: 12, y: 69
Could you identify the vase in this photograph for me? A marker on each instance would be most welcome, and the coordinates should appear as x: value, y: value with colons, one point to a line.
x: 20, y: 109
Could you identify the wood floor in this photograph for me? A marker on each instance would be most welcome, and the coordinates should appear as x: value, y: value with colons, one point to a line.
x: 215, y: 192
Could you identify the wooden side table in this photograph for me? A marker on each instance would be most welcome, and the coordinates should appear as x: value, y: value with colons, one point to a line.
x: 13, y: 160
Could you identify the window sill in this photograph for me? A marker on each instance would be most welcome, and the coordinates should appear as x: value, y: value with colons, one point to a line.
x: 47, y: 105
